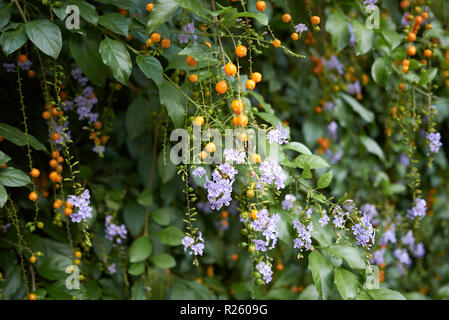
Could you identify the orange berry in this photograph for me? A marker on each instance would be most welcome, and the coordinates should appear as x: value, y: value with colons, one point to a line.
x: 123, y: 12
x: 22, y: 58
x: 55, y: 136
x: 32, y: 296
x: 78, y: 254
x: 224, y: 214
x: 401, y: 86
x: 55, y: 154
x: 68, y: 211
x: 57, y: 203
x: 242, y: 120
x: 54, y: 176
x: 280, y: 267
x: 240, y: 51
x: 315, y: 20
x: 210, y: 147
x: 411, y: 50
x: 419, y: 20
x: 35, y: 173
x: 33, y: 196
x: 68, y: 204
x: 53, y: 163
x: 198, y: 121
x: 425, y: 15
x: 237, y: 106
x: 286, y: 18
x: 405, y: 69
x: 276, y: 43
x: 243, y: 136
x: 234, y: 257
x: 155, y: 37
x: 150, y: 6
x: 406, y: 62
x: 254, y: 213
x: 190, y: 61
x: 165, y: 43
x: 193, y: 78
x: 411, y: 37
x: 250, y: 84
x: 294, y: 36
x: 261, y: 6
x: 257, y: 77
x: 203, y: 155
x: 230, y: 69
x: 46, y: 115
x: 98, y: 125
x: 31, y: 74
x: 33, y: 259
x: 427, y: 53
x: 76, y: 262
x: 255, y: 157
x: 221, y: 87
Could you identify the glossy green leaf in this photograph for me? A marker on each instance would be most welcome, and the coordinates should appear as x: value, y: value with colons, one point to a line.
x: 11, y: 177
x: 3, y: 196
x: 170, y: 236
x: 381, y: 70
x: 321, y: 270
x: 162, y: 11
x: 46, y: 36
x: 372, y: 147
x: 337, y: 26
x: 364, y: 113
x: 173, y: 100
x: 136, y: 269
x: 12, y: 40
x: 364, y: 37
x: 353, y: 256
x: 325, y: 180
x: 163, y: 260
x: 115, y: 22
x: 151, y: 67
x: 116, y: 56
x: 140, y: 249
x: 347, y: 283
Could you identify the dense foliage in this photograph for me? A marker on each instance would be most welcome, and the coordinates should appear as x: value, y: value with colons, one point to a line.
x: 347, y: 188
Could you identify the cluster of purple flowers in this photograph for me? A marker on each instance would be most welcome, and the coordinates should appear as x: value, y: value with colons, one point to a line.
x: 63, y: 131
x: 9, y: 67
x: 271, y: 172
x: 403, y: 257
x: 85, y: 102
x: 304, y: 239
x: 77, y: 74
x: 334, y: 63
x: 371, y: 211
x: 434, y: 141
x: 288, y: 201
x: 300, y: 28
x: 82, y: 202
x: 388, y: 236
x: 278, y: 135
x: 113, y: 230
x: 364, y: 231
x: 265, y: 270
x: 267, y: 225
x: 355, y: 88
x: 378, y: 256
x: 25, y: 66
x: 188, y: 29
x: 219, y: 189
x: 195, y: 248
x: 199, y: 172
x: 339, y: 217
x: 324, y: 220
x: 417, y: 250
x: 232, y: 155
x: 369, y: 3
x: 419, y: 210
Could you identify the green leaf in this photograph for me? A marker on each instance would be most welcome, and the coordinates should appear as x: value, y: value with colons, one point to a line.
x: 166, y: 171
x: 151, y: 67
x: 321, y: 270
x: 116, y: 56
x: 311, y: 160
x: 136, y: 269
x: 137, y: 117
x: 364, y: 37
x: 381, y: 70
x: 115, y: 22
x: 85, y: 52
x: 13, y: 39
x: 134, y: 216
x: 260, y: 99
x: 351, y: 255
x: 299, y: 147
x: 325, y: 180
x: 145, y: 198
x: 372, y: 147
x: 173, y: 100
x: 380, y: 294
x: 347, y: 283
x: 46, y: 36
x: 3, y: 158
x: 200, y: 52
x: 163, y: 216
x: 163, y: 260
x: 19, y: 138
x: 171, y: 236
x: 364, y: 113
x: 194, y: 6
x: 269, y: 118
x: 11, y: 177
x: 162, y: 11
x: 5, y: 14
x: 392, y: 38
x: 140, y: 250
x: 337, y: 26
x: 260, y: 17
x: 87, y: 11
x: 54, y: 266
x: 428, y: 76
x: 3, y: 196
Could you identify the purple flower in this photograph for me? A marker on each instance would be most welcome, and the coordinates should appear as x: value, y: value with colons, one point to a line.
x: 114, y: 231
x: 364, y: 231
x: 369, y: 3
x: 188, y: 29
x: 62, y: 129
x: 332, y: 129
x: 77, y: 74
x: 354, y: 88
x: 419, y: 251
x: 369, y: 210
x: 333, y: 63
x: 324, y: 220
x: 404, y: 21
x: 351, y: 32
x: 196, y: 248
x: 232, y: 155
x: 434, y: 141
x: 378, y: 256
x: 287, y: 203
x: 329, y: 106
x: 82, y: 202
x: 339, y: 217
x: 219, y: 189
x: 402, y: 256
x: 334, y: 158
x: 278, y: 135
x: 67, y: 105
x: 265, y: 270
x: 404, y: 160
x: 25, y: 66
x: 199, y: 172
x: 300, y: 28
x: 304, y: 239
x: 260, y: 245
x: 187, y: 242
x: 271, y: 172
x: 112, y: 269
x: 419, y: 210
x: 389, y: 236
x: 10, y: 67
x: 408, y: 239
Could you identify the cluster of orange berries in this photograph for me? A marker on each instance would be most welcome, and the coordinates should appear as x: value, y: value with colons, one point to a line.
x: 324, y: 145
x: 224, y: 218
x: 156, y: 38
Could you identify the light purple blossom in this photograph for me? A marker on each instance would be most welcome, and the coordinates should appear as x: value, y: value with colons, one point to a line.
x: 232, y: 155
x: 389, y: 236
x: 265, y: 270
x: 112, y: 269
x: 304, y: 240
x: 351, y: 32
x: 196, y: 248
x: 187, y: 242
x: 404, y: 160
x: 324, y: 220
x: 219, y: 189
x: 82, y: 202
x: 332, y: 128
x: 434, y: 141
x: 300, y: 28
x: 260, y: 245
x: 115, y: 233
x: 419, y: 210
x: 199, y: 172
x: 9, y: 67
x: 408, y: 239
x: 188, y: 29
x: 329, y: 106
x: 77, y: 74
x: 62, y: 129
x: 355, y: 88
x: 287, y: 203
x: 278, y: 135
x: 419, y: 251
x: 378, y: 256
x: 364, y: 232
x: 271, y: 172
x: 25, y: 66
x: 334, y: 64
x: 403, y: 256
